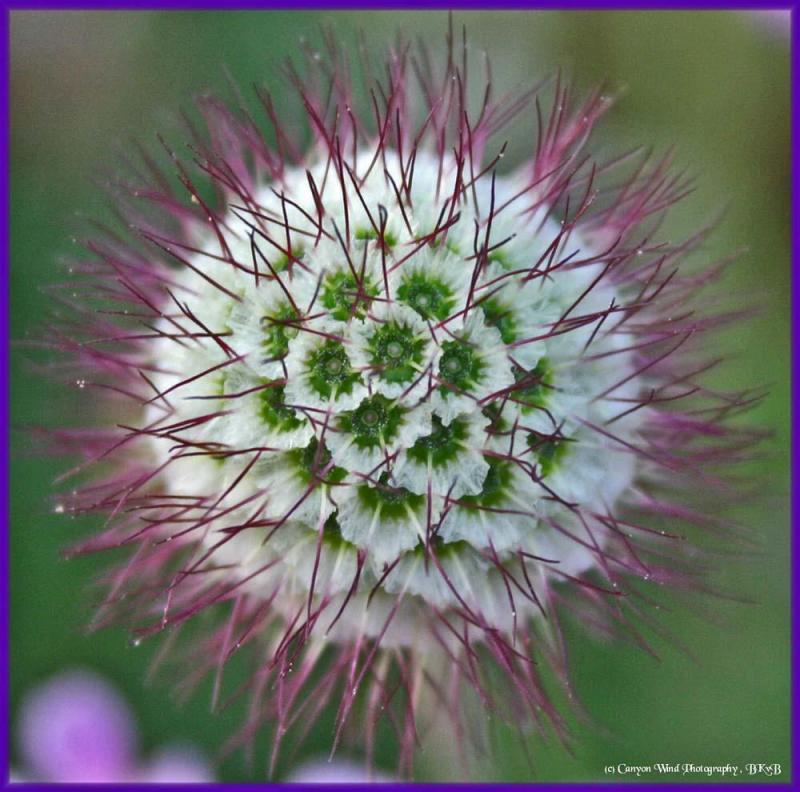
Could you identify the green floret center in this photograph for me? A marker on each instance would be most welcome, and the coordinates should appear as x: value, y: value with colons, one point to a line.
x: 534, y: 386
x: 436, y: 243
x: 218, y: 385
x: 494, y: 412
x: 442, y: 445
x: 393, y: 502
x: 496, y: 485
x: 369, y: 234
x: 329, y: 369
x: 550, y: 451
x: 460, y: 367
x: 279, y: 330
x: 346, y: 296
x: 500, y: 257
x: 273, y: 410
x: 396, y: 353
x: 443, y: 549
x: 284, y: 262
x: 373, y: 423
x: 502, y: 317
x: 431, y: 298
x: 332, y: 535
x: 309, y: 463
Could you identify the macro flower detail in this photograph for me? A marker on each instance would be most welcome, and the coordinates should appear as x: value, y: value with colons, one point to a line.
x: 389, y: 408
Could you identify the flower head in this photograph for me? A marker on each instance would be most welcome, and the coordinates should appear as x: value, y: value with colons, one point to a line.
x: 388, y: 408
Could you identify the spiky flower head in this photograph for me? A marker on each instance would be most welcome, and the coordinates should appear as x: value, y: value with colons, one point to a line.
x: 387, y: 408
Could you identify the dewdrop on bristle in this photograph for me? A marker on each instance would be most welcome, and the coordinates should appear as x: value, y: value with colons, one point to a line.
x: 389, y: 410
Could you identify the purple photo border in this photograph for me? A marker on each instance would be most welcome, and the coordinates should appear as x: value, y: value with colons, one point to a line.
x: 396, y: 5
x: 463, y: 5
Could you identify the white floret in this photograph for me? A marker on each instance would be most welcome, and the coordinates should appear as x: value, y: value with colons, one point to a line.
x: 496, y: 374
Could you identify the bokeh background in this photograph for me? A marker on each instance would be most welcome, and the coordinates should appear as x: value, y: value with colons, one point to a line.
x: 716, y: 84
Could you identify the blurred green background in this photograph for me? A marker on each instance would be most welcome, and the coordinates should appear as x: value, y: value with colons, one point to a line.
x: 716, y: 84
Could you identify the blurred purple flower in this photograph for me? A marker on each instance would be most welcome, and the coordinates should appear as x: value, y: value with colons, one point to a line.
x: 77, y: 728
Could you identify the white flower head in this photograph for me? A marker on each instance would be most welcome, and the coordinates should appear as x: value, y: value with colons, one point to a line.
x: 392, y: 395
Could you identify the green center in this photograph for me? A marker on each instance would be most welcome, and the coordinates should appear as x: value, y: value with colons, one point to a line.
x: 278, y: 331
x: 460, y: 367
x: 309, y: 463
x: 501, y: 257
x: 329, y: 369
x: 430, y: 297
x: 500, y: 316
x: 374, y: 422
x: 284, y: 262
x: 273, y: 410
x: 218, y: 383
x: 494, y: 412
x: 393, y: 502
x: 442, y: 445
x: 395, y: 353
x: 436, y: 243
x: 332, y: 535
x: 496, y: 486
x: 443, y: 549
x: 534, y: 386
x: 550, y: 451
x: 368, y: 234
x: 345, y: 296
